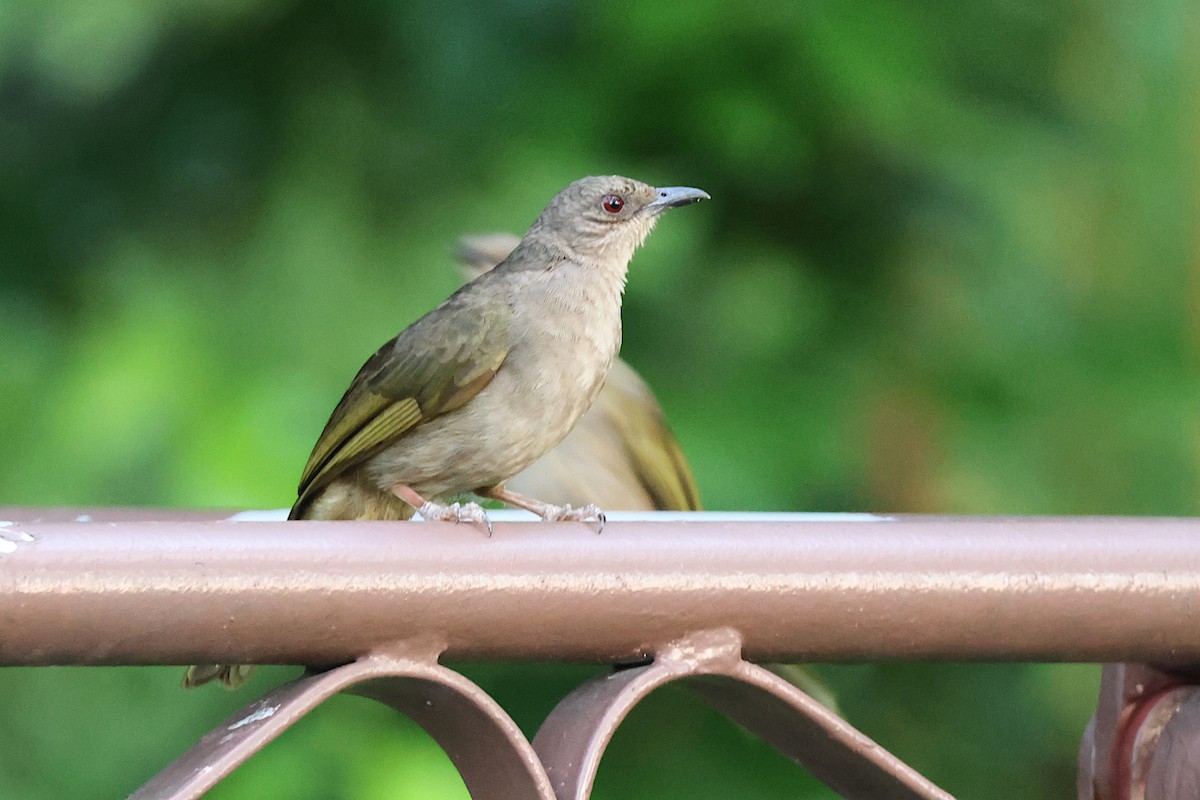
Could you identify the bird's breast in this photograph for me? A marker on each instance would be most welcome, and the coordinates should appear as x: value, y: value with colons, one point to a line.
x: 562, y: 343
x: 563, y: 355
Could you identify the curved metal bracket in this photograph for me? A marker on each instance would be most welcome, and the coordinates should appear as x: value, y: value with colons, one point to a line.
x: 491, y: 753
x: 496, y: 761
x: 574, y: 737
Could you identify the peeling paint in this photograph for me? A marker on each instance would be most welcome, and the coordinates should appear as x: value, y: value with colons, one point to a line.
x: 263, y: 713
x: 11, y: 537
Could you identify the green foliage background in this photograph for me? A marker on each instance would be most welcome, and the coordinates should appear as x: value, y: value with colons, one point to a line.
x: 951, y: 265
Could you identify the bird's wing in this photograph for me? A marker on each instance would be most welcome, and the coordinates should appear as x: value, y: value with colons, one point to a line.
x: 433, y: 367
x: 654, y: 452
x: 663, y: 471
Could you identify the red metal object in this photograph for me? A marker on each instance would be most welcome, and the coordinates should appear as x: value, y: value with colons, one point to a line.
x: 1144, y: 741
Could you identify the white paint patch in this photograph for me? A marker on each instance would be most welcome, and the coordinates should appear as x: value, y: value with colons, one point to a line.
x: 517, y: 515
x: 261, y: 515
x: 10, y: 536
x: 265, y: 712
x: 84, y: 518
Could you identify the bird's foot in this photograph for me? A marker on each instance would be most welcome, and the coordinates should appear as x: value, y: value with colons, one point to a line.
x: 456, y: 513
x: 547, y: 511
x: 568, y: 513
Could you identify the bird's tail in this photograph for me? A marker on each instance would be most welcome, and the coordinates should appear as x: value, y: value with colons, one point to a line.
x: 231, y: 676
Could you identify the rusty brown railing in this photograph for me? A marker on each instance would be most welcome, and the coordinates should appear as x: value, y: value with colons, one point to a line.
x: 692, y: 599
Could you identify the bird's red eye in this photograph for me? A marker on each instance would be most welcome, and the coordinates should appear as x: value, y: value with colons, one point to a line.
x: 613, y: 203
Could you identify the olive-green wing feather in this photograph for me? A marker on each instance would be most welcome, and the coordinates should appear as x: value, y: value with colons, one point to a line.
x: 664, y: 472
x: 434, y: 366
x: 654, y: 452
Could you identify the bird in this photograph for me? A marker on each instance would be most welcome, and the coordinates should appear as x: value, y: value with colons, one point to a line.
x: 621, y: 454
x: 487, y: 382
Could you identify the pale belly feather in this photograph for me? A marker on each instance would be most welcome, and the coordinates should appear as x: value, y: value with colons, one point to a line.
x: 548, y: 381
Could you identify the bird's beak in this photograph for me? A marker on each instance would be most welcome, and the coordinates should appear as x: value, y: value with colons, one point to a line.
x: 676, y: 196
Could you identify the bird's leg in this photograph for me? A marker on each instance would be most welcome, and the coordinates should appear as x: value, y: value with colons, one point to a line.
x: 547, y: 511
x: 455, y: 512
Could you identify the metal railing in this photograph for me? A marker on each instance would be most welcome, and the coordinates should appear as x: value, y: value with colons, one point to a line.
x: 693, y: 599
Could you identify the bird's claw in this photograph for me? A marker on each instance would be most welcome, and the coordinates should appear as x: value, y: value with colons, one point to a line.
x: 582, y: 514
x: 456, y: 513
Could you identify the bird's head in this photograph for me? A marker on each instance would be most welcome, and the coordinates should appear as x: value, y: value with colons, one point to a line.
x: 608, y: 217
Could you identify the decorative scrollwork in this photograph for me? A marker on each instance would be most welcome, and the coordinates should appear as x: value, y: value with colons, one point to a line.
x: 497, y: 762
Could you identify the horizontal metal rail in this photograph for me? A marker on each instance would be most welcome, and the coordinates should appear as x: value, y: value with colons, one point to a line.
x: 1012, y: 589
x: 691, y: 596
